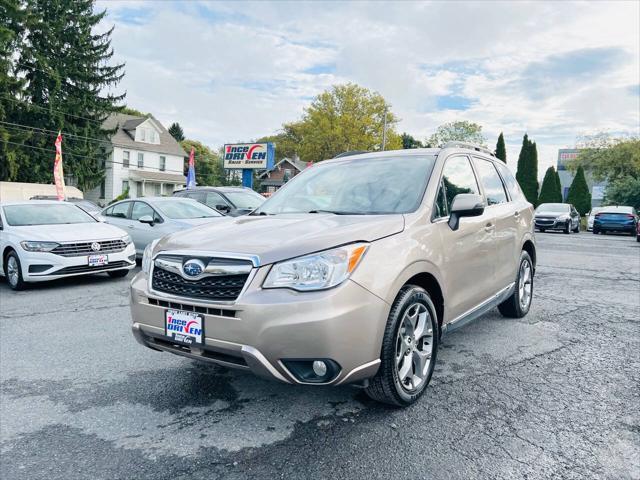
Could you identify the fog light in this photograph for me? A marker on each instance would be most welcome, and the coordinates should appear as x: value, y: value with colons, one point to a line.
x: 320, y: 368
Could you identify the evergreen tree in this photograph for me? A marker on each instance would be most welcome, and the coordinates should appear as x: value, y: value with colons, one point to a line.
x: 527, y: 173
x: 176, y: 132
x: 550, y: 190
x: 65, y: 66
x: 501, y: 149
x: 11, y: 32
x: 579, y: 195
x: 559, y: 187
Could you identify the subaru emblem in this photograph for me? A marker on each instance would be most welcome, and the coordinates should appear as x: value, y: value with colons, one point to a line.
x: 95, y: 246
x: 193, y: 267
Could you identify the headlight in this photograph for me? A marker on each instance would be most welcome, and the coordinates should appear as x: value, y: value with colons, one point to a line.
x: 38, y: 246
x: 317, y: 271
x: 147, y: 257
x: 127, y: 239
x: 564, y: 216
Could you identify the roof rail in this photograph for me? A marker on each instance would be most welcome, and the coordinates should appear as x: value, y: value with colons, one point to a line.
x: 349, y: 153
x: 470, y: 146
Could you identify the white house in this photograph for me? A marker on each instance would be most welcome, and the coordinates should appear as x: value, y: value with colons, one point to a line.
x: 144, y: 158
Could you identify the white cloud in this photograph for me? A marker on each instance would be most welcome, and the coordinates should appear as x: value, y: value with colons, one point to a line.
x: 236, y: 71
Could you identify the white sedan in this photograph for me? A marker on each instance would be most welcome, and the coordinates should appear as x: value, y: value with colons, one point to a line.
x: 47, y: 240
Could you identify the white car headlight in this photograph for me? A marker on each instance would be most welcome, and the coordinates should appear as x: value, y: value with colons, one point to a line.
x: 127, y: 239
x: 564, y: 216
x: 147, y: 257
x: 317, y: 271
x: 38, y: 246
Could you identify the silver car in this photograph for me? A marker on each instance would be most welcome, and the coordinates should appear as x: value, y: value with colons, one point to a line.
x: 149, y: 218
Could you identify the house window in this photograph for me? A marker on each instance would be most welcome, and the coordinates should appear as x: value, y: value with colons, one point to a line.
x: 288, y: 173
x: 125, y: 159
x: 163, y: 163
x: 125, y: 185
x: 143, y: 135
x: 157, y: 189
x: 140, y: 160
x: 139, y: 189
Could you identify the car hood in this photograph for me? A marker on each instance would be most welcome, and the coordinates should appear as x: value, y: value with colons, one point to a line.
x: 279, y: 237
x: 193, y: 222
x: 77, y: 232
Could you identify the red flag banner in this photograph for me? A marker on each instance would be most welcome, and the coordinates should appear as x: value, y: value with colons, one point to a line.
x: 58, y: 176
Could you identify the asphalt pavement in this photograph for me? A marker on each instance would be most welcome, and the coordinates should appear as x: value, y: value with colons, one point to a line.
x: 553, y: 395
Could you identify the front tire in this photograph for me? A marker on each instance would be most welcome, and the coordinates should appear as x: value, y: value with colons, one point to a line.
x: 409, y: 349
x: 567, y: 228
x: 13, y: 271
x: 519, y: 303
x: 118, y: 273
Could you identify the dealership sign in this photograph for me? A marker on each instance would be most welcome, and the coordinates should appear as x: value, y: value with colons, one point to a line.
x: 249, y: 155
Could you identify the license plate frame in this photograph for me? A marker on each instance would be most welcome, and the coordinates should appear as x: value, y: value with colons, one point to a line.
x: 191, y: 321
x: 99, y: 260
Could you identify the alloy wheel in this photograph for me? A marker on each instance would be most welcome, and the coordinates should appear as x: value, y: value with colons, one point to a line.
x: 12, y: 271
x: 414, y: 347
x: 525, y: 284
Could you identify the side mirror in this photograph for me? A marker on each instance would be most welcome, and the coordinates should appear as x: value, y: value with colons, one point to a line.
x: 223, y: 208
x: 465, y: 205
x: 146, y: 219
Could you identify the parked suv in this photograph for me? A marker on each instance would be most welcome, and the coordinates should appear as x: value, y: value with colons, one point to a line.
x: 348, y: 274
x: 232, y: 201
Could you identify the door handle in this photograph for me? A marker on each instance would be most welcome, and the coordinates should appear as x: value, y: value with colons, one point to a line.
x: 516, y: 214
x: 130, y: 226
x: 488, y: 227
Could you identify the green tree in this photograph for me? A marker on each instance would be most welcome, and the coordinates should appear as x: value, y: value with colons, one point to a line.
x: 550, y: 189
x: 559, y: 186
x: 408, y: 142
x: 527, y: 172
x: 133, y: 111
x: 12, y: 17
x: 579, y: 195
x: 209, y: 170
x: 345, y: 117
x: 176, y: 132
x: 66, y: 66
x: 501, y: 149
x: 624, y: 191
x: 460, y: 131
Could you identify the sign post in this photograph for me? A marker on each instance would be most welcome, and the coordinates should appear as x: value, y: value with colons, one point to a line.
x: 249, y: 157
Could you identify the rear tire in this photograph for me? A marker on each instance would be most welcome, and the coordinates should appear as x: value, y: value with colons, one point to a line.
x: 404, y: 373
x: 13, y: 271
x: 596, y: 232
x: 519, y: 303
x: 118, y: 273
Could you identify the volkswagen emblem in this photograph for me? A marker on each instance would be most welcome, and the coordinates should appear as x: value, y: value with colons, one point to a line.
x: 95, y: 246
x: 193, y: 267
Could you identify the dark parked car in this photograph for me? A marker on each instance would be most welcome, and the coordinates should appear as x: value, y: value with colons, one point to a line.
x: 232, y: 201
x: 616, y: 219
x: 557, y: 216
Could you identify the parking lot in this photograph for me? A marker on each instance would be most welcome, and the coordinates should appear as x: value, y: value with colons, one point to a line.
x: 554, y: 395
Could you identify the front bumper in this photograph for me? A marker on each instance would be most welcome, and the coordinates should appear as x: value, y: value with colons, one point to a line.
x: 62, y: 267
x: 263, y: 327
x: 551, y: 224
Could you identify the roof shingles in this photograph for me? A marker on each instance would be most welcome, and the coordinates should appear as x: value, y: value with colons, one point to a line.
x: 122, y: 122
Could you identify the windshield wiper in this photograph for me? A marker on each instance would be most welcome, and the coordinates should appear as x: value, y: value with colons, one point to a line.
x: 336, y: 212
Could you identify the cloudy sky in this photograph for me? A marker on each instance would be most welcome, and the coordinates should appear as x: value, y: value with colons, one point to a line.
x: 236, y: 71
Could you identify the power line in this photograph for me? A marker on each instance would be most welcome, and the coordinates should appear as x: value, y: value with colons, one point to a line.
x: 65, y: 153
x: 28, y: 127
x: 31, y: 104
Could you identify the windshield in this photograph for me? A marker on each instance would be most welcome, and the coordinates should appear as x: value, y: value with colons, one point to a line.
x: 553, y: 208
x: 245, y: 200
x: 47, y: 214
x: 358, y: 187
x: 87, y: 206
x: 181, y: 209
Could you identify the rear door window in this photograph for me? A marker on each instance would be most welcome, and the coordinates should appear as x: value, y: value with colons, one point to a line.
x: 491, y: 182
x: 510, y: 181
x: 121, y: 210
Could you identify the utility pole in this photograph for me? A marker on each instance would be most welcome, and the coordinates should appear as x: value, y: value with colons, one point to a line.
x: 384, y: 130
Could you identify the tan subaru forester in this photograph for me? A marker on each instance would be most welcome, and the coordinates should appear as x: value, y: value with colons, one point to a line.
x: 350, y: 274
